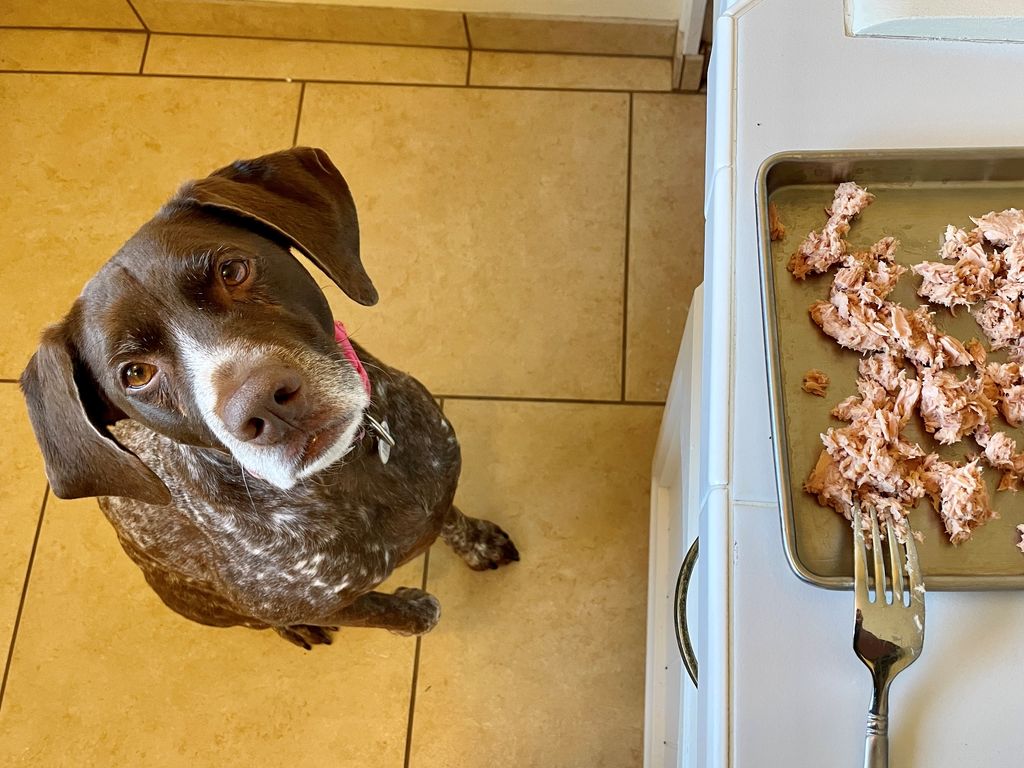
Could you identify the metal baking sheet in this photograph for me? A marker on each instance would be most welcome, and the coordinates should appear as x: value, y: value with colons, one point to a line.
x: 918, y: 192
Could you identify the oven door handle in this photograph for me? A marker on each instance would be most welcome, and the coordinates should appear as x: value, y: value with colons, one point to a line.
x: 682, y: 630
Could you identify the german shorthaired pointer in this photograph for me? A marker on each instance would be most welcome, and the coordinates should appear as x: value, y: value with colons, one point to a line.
x: 252, y: 469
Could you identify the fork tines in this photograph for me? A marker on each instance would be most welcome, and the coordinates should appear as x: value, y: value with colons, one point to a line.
x: 904, y: 569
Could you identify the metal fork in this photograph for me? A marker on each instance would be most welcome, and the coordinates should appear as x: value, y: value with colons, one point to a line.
x: 888, y: 636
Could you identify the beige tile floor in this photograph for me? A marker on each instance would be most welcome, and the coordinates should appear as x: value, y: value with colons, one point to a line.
x: 535, y: 250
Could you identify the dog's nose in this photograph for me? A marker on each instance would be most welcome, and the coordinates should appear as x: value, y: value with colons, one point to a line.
x: 266, y: 406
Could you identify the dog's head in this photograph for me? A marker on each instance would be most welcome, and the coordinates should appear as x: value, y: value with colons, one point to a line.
x: 205, y: 328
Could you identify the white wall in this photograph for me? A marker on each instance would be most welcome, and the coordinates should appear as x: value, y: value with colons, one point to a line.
x: 625, y: 9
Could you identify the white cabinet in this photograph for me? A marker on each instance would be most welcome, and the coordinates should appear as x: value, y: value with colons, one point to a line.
x: 671, y: 727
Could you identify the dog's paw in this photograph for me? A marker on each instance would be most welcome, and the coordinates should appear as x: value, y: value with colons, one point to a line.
x: 484, y: 546
x: 424, y: 610
x: 306, y: 635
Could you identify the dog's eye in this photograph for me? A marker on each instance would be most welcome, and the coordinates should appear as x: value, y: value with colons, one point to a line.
x: 138, y: 375
x: 234, y: 272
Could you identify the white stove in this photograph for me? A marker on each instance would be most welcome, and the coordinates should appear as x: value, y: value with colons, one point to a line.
x: 779, y: 684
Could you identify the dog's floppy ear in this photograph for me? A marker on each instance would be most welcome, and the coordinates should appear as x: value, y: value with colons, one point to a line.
x: 82, y: 459
x: 302, y: 196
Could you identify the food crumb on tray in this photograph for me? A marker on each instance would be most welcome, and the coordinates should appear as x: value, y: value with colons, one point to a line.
x: 869, y: 463
x: 816, y: 383
x: 776, y: 229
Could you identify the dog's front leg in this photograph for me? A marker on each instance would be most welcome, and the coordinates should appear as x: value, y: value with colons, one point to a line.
x: 408, y: 611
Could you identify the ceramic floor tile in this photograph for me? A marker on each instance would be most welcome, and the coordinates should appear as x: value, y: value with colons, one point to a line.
x: 64, y: 50
x: 82, y: 172
x: 21, y: 494
x: 100, y: 14
x: 238, y: 57
x: 542, y: 663
x: 104, y: 674
x: 507, y: 32
x: 305, y: 21
x: 493, y: 225
x: 548, y: 70
x: 666, y: 235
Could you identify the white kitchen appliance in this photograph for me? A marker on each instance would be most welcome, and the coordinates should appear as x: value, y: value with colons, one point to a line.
x: 779, y: 684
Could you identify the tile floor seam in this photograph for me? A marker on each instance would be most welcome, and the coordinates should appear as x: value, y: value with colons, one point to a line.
x: 415, y: 673
x: 298, y: 114
x: 625, y: 271
x: 557, y: 400
x: 465, y: 26
x: 29, y: 28
x: 675, y: 51
x: 271, y: 38
x: 316, y: 81
x: 24, y: 593
x: 580, y: 54
x: 138, y: 16
x: 145, y: 50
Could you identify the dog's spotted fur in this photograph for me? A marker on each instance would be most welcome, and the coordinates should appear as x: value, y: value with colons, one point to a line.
x: 229, y: 531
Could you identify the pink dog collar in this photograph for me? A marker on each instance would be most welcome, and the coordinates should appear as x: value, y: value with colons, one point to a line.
x: 346, y: 346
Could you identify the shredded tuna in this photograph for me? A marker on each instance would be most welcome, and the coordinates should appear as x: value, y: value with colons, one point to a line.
x: 816, y: 382
x: 870, y: 276
x: 883, y: 385
x: 830, y: 486
x: 965, y: 283
x: 820, y: 251
x: 836, y: 491
x: 1002, y: 321
x: 869, y: 462
x: 956, y: 243
x: 915, y: 335
x: 1000, y: 228
x: 858, y: 315
x: 951, y: 407
x: 976, y: 351
x: 852, y: 324
x: 1001, y: 453
x: 1007, y: 385
x: 776, y: 229
x: 958, y: 494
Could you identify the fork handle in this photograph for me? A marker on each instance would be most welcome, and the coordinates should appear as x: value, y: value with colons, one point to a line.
x: 876, y: 745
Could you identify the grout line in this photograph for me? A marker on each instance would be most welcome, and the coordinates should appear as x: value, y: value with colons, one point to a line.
x: 625, y: 271
x: 31, y: 28
x: 577, y: 53
x: 145, y: 50
x: 298, y: 114
x: 562, y: 400
x: 469, y: 46
x: 415, y: 673
x: 224, y: 78
x: 440, y: 404
x: 412, y: 703
x: 8, y: 381
x: 24, y: 592
x: 138, y: 16
x: 675, y: 50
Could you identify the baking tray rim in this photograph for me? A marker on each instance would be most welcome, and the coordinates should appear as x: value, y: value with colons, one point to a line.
x: 944, y: 583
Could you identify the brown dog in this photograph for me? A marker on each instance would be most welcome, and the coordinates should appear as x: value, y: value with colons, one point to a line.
x: 250, y: 466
